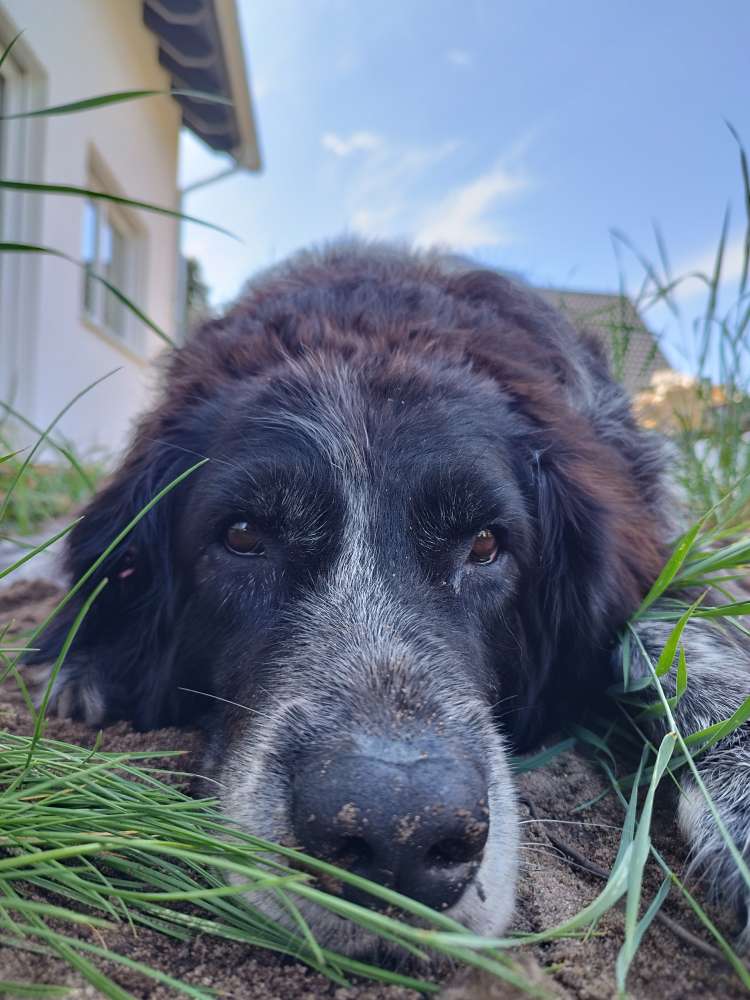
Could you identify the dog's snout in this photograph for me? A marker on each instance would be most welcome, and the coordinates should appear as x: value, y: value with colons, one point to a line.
x: 409, y: 816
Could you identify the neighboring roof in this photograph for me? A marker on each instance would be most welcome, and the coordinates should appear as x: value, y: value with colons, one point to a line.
x: 632, y: 349
x: 201, y: 48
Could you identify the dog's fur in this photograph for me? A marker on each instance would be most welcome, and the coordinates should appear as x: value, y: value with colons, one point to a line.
x: 371, y: 410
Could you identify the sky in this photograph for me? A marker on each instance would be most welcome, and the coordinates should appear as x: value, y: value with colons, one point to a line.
x: 521, y: 133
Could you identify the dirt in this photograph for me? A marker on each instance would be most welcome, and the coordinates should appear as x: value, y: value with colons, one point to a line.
x: 553, y: 886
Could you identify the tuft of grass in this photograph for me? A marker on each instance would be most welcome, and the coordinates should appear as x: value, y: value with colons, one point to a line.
x: 47, y: 491
x: 26, y: 499
x: 708, y: 314
x: 117, y: 845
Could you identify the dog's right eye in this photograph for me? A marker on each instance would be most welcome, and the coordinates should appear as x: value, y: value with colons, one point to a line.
x: 243, y: 541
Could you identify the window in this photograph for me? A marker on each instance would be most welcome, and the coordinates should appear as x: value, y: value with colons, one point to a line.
x: 109, y: 248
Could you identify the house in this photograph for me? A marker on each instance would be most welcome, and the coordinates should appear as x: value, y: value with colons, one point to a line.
x: 59, y: 329
x: 633, y: 351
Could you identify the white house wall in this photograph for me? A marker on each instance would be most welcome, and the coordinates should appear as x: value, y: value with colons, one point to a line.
x: 86, y: 48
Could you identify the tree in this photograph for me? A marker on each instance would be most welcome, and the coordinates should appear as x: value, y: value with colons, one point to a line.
x: 197, y: 294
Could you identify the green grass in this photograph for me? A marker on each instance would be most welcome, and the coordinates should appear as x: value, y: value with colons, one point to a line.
x: 116, y: 844
x: 47, y: 491
x: 715, y: 454
x: 31, y: 493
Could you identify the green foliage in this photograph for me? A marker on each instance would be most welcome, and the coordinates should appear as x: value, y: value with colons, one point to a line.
x: 197, y: 294
x: 713, y: 436
x: 46, y: 491
x: 31, y: 494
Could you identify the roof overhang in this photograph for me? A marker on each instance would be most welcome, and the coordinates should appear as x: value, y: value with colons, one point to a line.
x: 201, y: 48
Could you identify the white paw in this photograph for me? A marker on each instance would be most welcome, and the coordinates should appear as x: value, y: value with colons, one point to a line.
x: 75, y: 693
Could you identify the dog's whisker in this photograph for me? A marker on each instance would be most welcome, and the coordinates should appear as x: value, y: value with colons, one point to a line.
x: 211, y: 780
x: 513, y: 711
x: 227, y: 701
x: 511, y: 632
x: 182, y: 448
x: 501, y: 701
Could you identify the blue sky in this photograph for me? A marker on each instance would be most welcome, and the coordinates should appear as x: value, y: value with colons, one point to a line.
x: 519, y: 132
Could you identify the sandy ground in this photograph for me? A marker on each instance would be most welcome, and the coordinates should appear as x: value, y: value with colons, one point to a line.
x: 558, y: 844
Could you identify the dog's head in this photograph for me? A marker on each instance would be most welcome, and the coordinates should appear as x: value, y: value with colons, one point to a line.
x: 426, y: 513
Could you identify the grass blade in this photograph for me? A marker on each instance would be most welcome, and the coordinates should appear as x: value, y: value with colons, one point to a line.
x: 79, y: 192
x: 638, y: 858
x: 8, y: 48
x: 120, y: 296
x: 671, y: 568
x: 119, y: 97
x: 44, y: 436
x: 37, y: 549
x: 64, y: 447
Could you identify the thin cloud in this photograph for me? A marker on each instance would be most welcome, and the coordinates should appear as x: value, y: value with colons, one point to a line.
x: 357, y: 142
x: 395, y: 190
x: 384, y: 196
x: 466, y: 218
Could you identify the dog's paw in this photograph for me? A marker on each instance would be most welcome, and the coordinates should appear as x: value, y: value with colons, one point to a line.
x: 711, y: 859
x: 76, y: 693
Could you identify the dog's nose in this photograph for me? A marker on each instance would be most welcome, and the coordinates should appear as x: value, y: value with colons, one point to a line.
x: 408, y: 816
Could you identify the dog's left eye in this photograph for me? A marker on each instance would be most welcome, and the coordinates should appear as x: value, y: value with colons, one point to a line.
x: 484, y: 547
x: 243, y: 541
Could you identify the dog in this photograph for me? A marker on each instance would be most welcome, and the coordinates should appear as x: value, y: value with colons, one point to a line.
x: 426, y: 515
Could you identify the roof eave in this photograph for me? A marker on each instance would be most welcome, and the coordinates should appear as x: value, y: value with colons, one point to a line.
x: 247, y: 153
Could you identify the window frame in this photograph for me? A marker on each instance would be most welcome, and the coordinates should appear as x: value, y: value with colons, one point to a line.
x: 129, y: 336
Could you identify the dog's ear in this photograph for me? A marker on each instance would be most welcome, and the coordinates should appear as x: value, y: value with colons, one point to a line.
x: 594, y: 559
x: 595, y: 484
x: 598, y: 550
x: 121, y: 662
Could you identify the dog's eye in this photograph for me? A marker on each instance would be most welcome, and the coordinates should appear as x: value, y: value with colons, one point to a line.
x: 484, y: 548
x: 243, y: 541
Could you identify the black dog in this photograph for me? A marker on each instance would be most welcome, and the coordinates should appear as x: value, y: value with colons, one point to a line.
x: 428, y: 512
